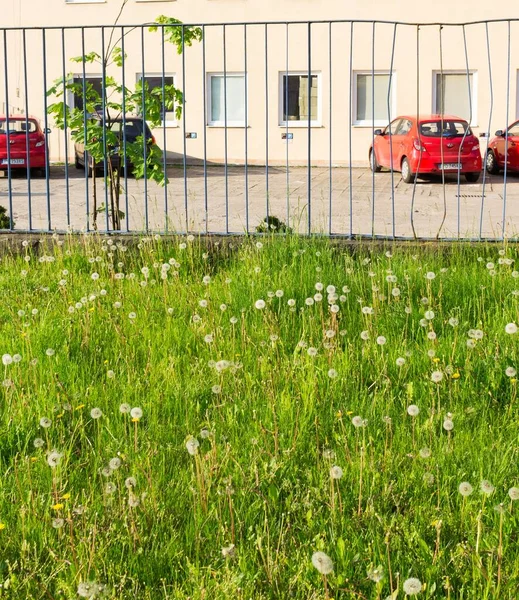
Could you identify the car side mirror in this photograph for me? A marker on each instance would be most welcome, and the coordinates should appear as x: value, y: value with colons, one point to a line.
x: 48, y: 130
x: 378, y: 132
x: 500, y: 133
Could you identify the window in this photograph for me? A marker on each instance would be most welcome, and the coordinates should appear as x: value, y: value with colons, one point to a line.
x: 454, y: 94
x: 370, y: 97
x: 96, y: 81
x: 404, y: 128
x: 226, y: 98
x: 297, y: 101
x: 154, y: 81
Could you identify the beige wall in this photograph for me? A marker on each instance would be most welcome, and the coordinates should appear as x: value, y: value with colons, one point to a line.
x: 413, y: 87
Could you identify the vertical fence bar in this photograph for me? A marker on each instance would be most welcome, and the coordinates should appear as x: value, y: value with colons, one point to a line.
x: 487, y: 132
x: 123, y: 104
x: 26, y: 91
x: 86, y: 159
x: 104, y: 123
x: 225, y: 149
x: 267, y: 126
x: 184, y: 124
x: 373, y: 127
x: 350, y: 127
x: 331, y: 125
x: 309, y: 182
x: 505, y: 171
x: 285, y: 116
x: 164, y: 136
x: 46, y: 124
x: 246, y: 129
x: 144, y: 142
x: 442, y: 110
x: 205, y: 117
x: 65, y: 124
x: 8, y: 135
x: 393, y: 230
x: 417, y: 116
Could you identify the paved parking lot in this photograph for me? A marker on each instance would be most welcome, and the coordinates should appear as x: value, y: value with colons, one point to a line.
x: 223, y: 201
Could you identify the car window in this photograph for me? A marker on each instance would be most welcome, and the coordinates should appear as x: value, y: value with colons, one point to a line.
x: 393, y: 126
x: 514, y: 129
x: 451, y: 128
x: 404, y: 128
x: 18, y: 126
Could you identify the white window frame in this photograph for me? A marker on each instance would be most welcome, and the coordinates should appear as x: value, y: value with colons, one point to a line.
x: 70, y: 94
x: 228, y: 74
x: 318, y: 122
x: 474, y: 73
x: 85, y: 1
x: 374, y: 122
x: 168, y: 122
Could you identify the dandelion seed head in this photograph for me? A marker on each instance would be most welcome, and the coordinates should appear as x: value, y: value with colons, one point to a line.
x: 336, y: 472
x: 412, y: 586
x: 436, y: 376
x: 513, y: 492
x: 260, y: 304
x: 448, y: 424
x: 96, y: 413
x: 486, y: 487
x: 511, y: 328
x: 322, y: 562
x: 136, y: 412
x: 192, y: 445
x: 413, y: 410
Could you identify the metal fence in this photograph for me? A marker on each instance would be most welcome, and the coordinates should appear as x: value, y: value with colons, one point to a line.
x: 277, y: 120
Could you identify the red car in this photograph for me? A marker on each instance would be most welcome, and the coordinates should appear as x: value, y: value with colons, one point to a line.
x: 427, y: 145
x: 495, y: 157
x: 22, y: 132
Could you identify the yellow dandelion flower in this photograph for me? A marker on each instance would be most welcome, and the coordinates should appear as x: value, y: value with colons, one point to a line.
x: 65, y: 496
x: 135, y: 420
x: 513, y: 380
x: 80, y: 407
x: 60, y: 415
x: 34, y: 458
x: 349, y: 413
x: 2, y: 526
x: 57, y: 506
x: 436, y: 359
x: 455, y: 375
x: 339, y: 414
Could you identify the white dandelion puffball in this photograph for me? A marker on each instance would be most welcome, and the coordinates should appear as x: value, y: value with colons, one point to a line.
x: 322, y: 562
x: 511, y: 328
x: 412, y: 586
x: 7, y: 359
x: 430, y: 275
x: 381, y: 340
x: 413, y: 410
x: 260, y: 304
x: 87, y: 589
x: 136, y: 412
x: 425, y: 452
x: 376, y: 574
x: 448, y: 425
x: 429, y: 315
x: 53, y: 459
x: 332, y: 373
x: 336, y: 472
x: 364, y: 335
x: 45, y: 422
x: 359, y: 422
x: 510, y: 372
x: 486, y: 487
x: 124, y: 408
x: 513, y: 492
x: 192, y: 445
x: 436, y: 376
x: 465, y: 489
x: 400, y: 361
x: 96, y: 413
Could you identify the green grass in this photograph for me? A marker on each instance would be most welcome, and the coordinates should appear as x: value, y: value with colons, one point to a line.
x: 242, y: 516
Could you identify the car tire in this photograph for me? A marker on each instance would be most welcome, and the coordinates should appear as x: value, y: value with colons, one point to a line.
x: 407, y: 174
x: 77, y: 164
x: 491, y: 163
x: 373, y: 163
x: 472, y: 177
x: 37, y: 172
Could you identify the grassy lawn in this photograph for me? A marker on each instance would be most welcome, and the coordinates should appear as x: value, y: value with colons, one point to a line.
x: 258, y: 420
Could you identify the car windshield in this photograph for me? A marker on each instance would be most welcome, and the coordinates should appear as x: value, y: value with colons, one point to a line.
x: 451, y: 128
x: 18, y: 126
x: 133, y: 128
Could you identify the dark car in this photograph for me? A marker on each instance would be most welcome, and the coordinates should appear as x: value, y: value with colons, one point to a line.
x: 427, y: 145
x: 498, y: 147
x: 119, y: 133
x: 22, y: 144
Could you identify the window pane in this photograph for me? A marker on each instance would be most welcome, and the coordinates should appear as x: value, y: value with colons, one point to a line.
x: 235, y: 101
x: 97, y: 85
x: 154, y: 82
x: 295, y: 98
x: 365, y: 85
x: 452, y: 94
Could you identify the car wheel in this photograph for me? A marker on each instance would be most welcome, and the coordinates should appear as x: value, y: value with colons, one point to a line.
x: 373, y: 164
x: 37, y: 172
x: 77, y: 164
x: 472, y: 177
x: 407, y: 175
x: 491, y: 163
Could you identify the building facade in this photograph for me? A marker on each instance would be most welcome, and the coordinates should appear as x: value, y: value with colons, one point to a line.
x: 286, y: 81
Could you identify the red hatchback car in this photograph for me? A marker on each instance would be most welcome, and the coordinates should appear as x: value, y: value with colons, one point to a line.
x: 427, y: 145
x: 21, y: 133
x: 495, y: 157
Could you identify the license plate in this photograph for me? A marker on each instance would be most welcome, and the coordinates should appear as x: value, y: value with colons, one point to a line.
x: 450, y: 166
x: 14, y: 161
